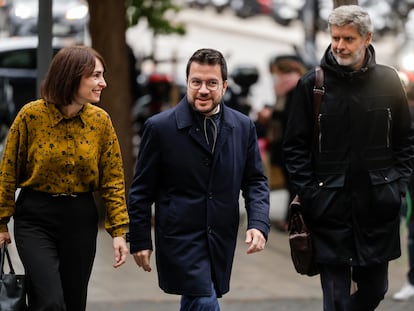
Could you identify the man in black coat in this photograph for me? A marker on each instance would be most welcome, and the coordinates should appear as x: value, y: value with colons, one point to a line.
x: 350, y: 163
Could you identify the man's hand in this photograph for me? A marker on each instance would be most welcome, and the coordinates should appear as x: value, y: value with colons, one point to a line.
x: 142, y: 259
x: 256, y: 240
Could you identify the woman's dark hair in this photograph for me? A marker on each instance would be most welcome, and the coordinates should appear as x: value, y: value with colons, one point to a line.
x: 208, y: 57
x: 63, y: 78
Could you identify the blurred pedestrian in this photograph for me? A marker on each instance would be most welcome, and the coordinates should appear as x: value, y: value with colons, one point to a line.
x: 351, y: 163
x: 286, y: 71
x: 60, y: 149
x: 193, y: 161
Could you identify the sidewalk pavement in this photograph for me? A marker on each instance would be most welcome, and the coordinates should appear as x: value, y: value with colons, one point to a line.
x: 262, y: 282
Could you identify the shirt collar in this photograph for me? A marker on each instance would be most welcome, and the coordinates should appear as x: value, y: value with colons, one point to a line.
x: 57, y: 116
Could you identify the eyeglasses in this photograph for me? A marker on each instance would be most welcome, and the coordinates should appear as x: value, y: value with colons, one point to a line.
x: 211, y: 85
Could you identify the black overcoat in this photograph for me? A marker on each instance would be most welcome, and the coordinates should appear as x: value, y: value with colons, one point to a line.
x: 196, y: 195
x: 350, y: 163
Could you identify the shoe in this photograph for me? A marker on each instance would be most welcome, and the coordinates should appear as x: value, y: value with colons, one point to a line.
x: 405, y: 293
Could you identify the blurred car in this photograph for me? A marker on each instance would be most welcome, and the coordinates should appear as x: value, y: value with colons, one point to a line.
x: 198, y: 4
x: 249, y: 8
x: 220, y: 5
x: 286, y: 11
x: 18, y: 73
x: 18, y: 76
x: 70, y: 17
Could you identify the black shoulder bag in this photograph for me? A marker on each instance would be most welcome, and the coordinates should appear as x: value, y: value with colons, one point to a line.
x: 12, y: 286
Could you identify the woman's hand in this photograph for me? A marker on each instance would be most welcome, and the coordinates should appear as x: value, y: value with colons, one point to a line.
x: 120, y: 250
x: 4, y: 237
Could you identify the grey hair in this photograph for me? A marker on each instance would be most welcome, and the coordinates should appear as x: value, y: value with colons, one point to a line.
x: 351, y: 14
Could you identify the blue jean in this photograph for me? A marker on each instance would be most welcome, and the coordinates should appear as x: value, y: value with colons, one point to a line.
x: 200, y: 303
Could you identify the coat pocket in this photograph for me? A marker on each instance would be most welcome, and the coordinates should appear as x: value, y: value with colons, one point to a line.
x: 386, y: 193
x: 325, y: 194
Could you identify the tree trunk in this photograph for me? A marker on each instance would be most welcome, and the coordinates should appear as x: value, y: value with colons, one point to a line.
x: 344, y: 2
x: 107, y: 28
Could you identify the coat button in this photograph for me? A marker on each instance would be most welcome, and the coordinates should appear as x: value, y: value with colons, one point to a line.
x: 321, y: 184
x: 210, y: 195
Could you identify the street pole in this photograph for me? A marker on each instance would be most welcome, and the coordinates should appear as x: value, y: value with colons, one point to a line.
x: 44, y: 50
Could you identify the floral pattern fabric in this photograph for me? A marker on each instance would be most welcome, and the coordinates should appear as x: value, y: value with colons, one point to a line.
x: 51, y: 153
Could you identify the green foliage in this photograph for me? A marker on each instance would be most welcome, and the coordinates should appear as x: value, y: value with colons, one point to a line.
x: 155, y: 12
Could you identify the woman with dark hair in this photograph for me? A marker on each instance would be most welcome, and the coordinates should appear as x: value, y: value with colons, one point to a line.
x: 60, y: 149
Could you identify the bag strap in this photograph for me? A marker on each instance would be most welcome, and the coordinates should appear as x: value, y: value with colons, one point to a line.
x: 318, y: 92
x: 5, y: 254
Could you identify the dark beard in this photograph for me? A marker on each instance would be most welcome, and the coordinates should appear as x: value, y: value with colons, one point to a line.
x: 214, y: 107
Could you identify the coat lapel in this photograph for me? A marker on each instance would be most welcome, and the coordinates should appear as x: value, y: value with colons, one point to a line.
x: 185, y: 119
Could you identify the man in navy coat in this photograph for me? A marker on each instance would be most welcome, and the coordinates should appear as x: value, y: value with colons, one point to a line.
x: 194, y: 160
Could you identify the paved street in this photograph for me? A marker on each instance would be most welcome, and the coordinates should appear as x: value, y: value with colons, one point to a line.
x: 260, y: 305
x: 262, y: 282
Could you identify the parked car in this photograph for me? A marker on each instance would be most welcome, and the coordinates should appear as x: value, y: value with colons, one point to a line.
x: 220, y: 5
x: 70, y: 17
x: 286, y: 11
x: 18, y: 76
x: 18, y: 72
x: 249, y: 8
x: 198, y: 4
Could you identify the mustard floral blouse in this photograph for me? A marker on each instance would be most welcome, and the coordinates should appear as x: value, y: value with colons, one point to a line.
x: 51, y: 153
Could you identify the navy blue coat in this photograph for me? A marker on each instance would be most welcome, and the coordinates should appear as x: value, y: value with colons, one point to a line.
x: 196, y: 196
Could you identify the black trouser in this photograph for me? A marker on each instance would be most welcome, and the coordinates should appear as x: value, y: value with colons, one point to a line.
x: 56, y: 242
x: 371, y: 282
